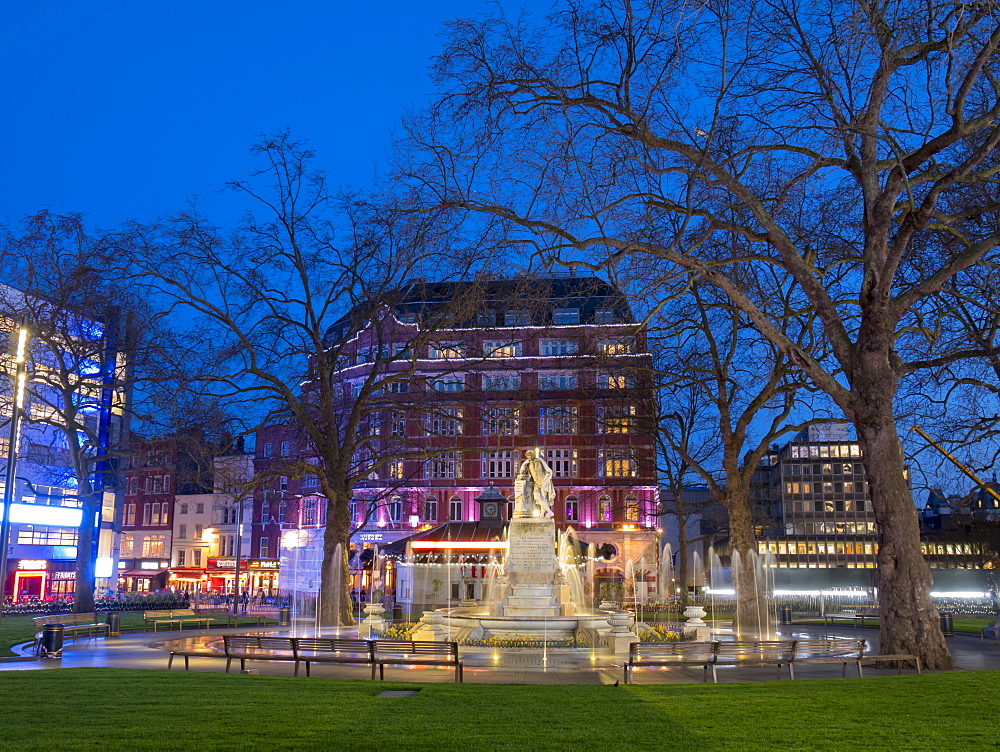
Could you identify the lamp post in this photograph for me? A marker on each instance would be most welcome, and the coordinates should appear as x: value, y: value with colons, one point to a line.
x: 239, y: 552
x: 17, y: 405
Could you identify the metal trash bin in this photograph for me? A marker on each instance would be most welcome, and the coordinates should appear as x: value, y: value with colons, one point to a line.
x: 52, y: 640
x: 114, y: 621
x: 784, y: 614
x: 397, y: 613
x: 284, y: 616
x: 947, y: 624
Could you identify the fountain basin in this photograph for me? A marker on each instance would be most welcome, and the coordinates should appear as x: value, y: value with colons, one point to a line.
x: 458, y: 620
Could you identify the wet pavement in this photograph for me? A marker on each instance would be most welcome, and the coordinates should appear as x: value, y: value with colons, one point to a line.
x: 482, y: 665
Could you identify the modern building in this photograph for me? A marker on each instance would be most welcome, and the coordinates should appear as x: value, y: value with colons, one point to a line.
x: 556, y: 364
x: 62, y: 350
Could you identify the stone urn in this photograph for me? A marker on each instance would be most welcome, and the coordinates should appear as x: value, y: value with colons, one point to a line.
x: 606, y: 606
x: 374, y: 611
x: 694, y: 615
x: 620, y: 621
x: 431, y: 627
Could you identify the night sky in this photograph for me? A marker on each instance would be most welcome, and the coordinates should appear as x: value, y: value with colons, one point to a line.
x: 125, y: 110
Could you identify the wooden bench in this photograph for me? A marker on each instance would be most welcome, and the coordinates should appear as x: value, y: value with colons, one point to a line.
x: 74, y: 625
x: 221, y: 613
x: 414, y: 653
x: 827, y: 651
x: 333, y: 650
x: 669, y: 654
x: 752, y: 653
x: 854, y: 617
x: 306, y: 650
x: 897, y: 658
x: 178, y: 616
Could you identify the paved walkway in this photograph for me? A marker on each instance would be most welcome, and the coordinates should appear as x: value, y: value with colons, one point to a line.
x: 482, y: 666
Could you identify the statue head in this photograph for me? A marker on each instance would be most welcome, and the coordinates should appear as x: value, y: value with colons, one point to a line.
x: 529, y: 454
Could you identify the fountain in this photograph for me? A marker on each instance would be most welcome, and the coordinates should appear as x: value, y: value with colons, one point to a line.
x: 539, y: 592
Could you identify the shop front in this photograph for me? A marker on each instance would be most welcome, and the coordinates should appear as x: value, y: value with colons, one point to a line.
x: 39, y: 579
x: 142, y: 575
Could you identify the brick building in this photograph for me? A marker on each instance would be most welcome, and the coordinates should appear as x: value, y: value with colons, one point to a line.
x: 558, y: 364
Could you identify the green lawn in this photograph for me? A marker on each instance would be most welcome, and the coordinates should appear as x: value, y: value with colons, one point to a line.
x: 15, y: 630
x: 967, y: 625
x: 126, y: 709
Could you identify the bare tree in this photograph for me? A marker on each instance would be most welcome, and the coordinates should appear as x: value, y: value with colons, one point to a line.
x: 91, y: 338
x: 848, y: 145
x: 306, y: 330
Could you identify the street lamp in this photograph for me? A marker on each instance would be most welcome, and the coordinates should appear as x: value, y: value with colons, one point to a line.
x: 17, y: 406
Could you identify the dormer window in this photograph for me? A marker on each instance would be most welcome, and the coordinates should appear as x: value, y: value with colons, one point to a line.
x: 566, y: 316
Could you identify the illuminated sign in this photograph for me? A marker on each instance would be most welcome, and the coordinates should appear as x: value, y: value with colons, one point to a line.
x: 468, y: 545
x: 40, y: 514
x: 370, y: 536
x: 153, y: 565
x: 222, y: 563
x: 263, y: 563
x: 63, y: 575
x: 103, y: 566
x: 32, y: 564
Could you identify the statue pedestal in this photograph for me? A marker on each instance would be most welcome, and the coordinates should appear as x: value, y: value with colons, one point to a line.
x: 531, y: 568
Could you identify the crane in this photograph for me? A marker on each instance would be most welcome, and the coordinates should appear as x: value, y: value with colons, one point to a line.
x: 989, y: 489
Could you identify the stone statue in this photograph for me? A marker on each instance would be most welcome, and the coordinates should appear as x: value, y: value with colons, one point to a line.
x: 533, y: 489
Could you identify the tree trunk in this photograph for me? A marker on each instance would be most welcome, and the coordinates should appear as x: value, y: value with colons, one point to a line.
x: 83, y: 588
x: 335, y: 577
x: 751, y: 617
x: 909, y: 621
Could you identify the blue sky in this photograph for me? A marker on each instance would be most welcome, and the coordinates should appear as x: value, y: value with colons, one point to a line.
x: 126, y: 109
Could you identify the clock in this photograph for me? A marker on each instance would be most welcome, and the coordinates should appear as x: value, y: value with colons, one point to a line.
x: 491, y: 510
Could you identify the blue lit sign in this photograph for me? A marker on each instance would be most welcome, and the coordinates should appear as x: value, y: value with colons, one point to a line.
x: 40, y: 514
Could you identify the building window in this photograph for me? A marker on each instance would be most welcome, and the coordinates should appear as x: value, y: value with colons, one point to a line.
x: 562, y: 462
x: 396, y: 470
x: 184, y: 509
x: 309, y: 512
x: 501, y: 382
x: 502, y: 421
x: 631, y: 509
x: 498, y: 464
x: 572, y: 509
x: 455, y: 509
x: 613, y: 381
x: 199, y: 508
x: 447, y: 422
x: 182, y: 531
x: 557, y: 380
x: 198, y: 529
x: 395, y: 509
x: 397, y: 425
x: 130, y: 515
x: 566, y: 316
x: 282, y: 512
x: 132, y: 484
x: 128, y: 543
x: 454, y: 382
x: 447, y: 351
x: 517, y: 317
x: 180, y: 557
x: 146, y: 508
x: 268, y: 449
x: 352, y: 510
x: 282, y: 483
x: 486, y: 318
x: 152, y: 546
x: 604, y: 509
x: 166, y: 484
x: 604, y: 316
x: 557, y: 420
x: 399, y: 387
x: 443, y: 465
x: 431, y: 509
x: 614, y: 347
x: 557, y: 347
x: 197, y: 557
x: 264, y: 549
x: 265, y: 511
x: 616, y: 418
x: 501, y: 349
x: 285, y: 446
